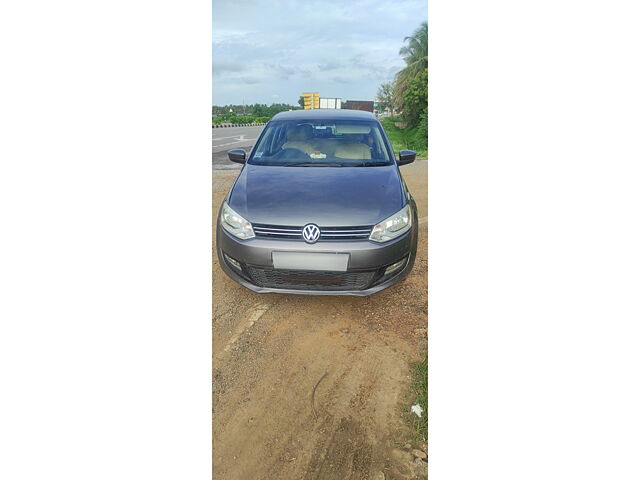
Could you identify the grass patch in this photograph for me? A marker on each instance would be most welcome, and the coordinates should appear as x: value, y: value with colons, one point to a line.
x: 404, y: 138
x: 419, y: 395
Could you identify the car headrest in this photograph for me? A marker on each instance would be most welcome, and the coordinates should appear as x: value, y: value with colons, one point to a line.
x: 353, y: 151
x: 300, y: 133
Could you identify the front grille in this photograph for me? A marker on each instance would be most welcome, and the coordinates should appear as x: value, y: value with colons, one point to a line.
x: 344, y: 233
x: 326, y: 233
x: 307, y: 280
x: 277, y: 231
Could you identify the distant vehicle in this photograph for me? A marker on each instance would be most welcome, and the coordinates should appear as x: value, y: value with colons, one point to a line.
x: 319, y: 208
x: 364, y: 105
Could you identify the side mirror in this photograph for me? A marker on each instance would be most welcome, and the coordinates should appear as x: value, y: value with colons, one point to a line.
x: 238, y: 155
x: 406, y: 156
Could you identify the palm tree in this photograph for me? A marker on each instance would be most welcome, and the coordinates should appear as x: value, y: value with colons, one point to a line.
x: 415, y: 55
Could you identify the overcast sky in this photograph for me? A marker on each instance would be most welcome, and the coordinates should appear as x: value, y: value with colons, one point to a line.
x: 271, y: 51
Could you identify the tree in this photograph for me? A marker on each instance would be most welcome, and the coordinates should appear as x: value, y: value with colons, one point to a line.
x: 260, y: 110
x: 255, y: 110
x: 414, y: 100
x: 415, y: 55
x: 301, y: 101
x: 385, y: 97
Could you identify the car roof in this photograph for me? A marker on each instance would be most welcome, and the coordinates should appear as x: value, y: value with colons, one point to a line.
x: 325, y: 113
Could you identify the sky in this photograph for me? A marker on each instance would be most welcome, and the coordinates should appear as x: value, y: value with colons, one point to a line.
x: 271, y: 51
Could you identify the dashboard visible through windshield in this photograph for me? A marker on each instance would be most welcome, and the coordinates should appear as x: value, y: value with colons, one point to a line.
x: 338, y: 143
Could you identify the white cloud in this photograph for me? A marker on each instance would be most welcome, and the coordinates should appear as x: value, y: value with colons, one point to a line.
x: 282, y: 47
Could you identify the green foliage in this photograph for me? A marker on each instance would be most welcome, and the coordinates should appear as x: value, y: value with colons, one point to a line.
x: 263, y: 114
x: 419, y: 382
x: 385, y: 97
x: 262, y: 110
x: 414, y: 100
x: 410, y: 138
x: 255, y: 110
x: 242, y: 120
x: 415, y: 55
x: 410, y: 94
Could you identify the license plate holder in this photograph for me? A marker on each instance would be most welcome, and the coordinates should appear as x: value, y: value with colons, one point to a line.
x: 316, y: 261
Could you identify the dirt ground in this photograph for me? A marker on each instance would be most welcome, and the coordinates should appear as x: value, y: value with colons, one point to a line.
x: 317, y: 387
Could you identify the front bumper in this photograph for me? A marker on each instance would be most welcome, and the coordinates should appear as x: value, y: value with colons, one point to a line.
x: 364, y: 275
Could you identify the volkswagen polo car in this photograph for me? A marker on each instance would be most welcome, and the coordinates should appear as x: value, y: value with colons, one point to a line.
x: 319, y: 208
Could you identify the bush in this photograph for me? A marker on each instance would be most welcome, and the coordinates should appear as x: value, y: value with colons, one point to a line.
x: 419, y: 373
x: 414, y: 101
x: 240, y: 120
x: 410, y: 138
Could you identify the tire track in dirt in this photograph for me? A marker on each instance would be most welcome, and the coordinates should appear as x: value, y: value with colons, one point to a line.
x: 278, y: 417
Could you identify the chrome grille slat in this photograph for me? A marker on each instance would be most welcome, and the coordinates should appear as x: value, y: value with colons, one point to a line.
x: 276, y: 233
x: 344, y: 235
x: 326, y: 233
x: 347, y: 228
x: 292, y: 230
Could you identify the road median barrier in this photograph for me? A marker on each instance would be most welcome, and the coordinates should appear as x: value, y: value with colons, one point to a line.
x: 227, y: 125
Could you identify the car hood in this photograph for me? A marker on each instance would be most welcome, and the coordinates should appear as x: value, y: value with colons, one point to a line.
x: 327, y: 196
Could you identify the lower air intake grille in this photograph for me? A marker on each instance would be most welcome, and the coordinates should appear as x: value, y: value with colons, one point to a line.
x: 306, y: 280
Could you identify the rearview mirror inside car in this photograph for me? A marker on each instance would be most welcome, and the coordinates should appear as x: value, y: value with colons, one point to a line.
x: 237, y: 155
x: 406, y: 156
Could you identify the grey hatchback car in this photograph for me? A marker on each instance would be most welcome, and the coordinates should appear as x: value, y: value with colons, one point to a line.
x: 319, y: 208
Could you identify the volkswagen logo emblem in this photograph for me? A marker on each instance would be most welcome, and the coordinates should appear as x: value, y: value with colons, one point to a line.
x: 311, y: 233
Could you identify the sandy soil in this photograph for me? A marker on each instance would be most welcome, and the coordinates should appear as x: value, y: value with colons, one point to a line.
x: 317, y: 387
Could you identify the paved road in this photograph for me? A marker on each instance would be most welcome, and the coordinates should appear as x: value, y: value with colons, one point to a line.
x: 225, y: 139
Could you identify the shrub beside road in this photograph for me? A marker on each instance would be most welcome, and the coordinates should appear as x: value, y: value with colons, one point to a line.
x: 408, y: 138
x: 407, y: 95
x: 419, y: 374
x: 239, y: 120
x: 252, y: 114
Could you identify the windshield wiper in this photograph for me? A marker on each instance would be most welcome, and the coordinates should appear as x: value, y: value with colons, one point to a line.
x: 371, y: 164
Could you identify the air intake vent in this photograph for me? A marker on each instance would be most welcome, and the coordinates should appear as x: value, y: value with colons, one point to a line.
x: 306, y: 280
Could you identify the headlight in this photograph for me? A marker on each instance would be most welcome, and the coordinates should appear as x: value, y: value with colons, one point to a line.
x: 392, y: 227
x: 235, y: 224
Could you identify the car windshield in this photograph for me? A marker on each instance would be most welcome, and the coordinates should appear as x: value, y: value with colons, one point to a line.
x: 323, y: 143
